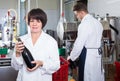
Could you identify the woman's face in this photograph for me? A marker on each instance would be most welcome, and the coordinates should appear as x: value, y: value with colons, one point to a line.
x: 35, y: 26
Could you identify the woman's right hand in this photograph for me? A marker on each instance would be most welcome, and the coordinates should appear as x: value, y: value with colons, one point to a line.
x: 19, y: 46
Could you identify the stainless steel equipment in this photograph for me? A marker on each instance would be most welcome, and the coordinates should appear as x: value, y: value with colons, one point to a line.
x: 7, y: 73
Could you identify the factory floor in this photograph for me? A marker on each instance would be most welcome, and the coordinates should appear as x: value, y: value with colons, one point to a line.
x: 109, y: 73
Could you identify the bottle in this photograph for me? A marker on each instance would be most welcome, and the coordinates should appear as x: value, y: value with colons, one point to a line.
x: 27, y: 56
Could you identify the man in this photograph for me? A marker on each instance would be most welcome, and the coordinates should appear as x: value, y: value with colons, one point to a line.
x: 86, y: 46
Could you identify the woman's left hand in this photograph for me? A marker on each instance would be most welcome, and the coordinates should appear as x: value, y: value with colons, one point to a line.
x: 38, y: 64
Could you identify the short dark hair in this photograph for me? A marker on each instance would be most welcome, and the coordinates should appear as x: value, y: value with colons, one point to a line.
x: 37, y: 14
x: 79, y: 6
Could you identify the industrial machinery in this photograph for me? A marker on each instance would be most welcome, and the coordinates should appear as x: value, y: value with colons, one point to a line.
x: 10, y: 28
x: 8, y: 39
x: 110, y: 42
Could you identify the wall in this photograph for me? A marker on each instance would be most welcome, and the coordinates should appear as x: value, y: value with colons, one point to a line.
x: 45, y: 4
x: 101, y: 7
x: 51, y: 7
x: 69, y: 15
x: 6, y: 4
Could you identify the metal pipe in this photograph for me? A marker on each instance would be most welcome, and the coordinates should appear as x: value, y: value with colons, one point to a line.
x: 61, y: 5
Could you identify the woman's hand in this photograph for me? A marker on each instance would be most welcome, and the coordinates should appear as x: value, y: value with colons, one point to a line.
x: 38, y: 64
x: 19, y: 46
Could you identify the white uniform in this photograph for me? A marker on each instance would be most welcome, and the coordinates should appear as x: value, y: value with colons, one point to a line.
x: 89, y: 36
x: 46, y: 50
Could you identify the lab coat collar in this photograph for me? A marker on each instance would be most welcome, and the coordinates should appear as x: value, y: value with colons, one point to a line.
x: 29, y: 34
x: 30, y: 38
x: 86, y: 16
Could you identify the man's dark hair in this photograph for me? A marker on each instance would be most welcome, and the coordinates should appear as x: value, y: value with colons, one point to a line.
x: 79, y: 6
x: 37, y: 14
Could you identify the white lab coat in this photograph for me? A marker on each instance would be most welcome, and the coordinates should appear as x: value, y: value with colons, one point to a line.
x: 46, y: 50
x: 89, y: 35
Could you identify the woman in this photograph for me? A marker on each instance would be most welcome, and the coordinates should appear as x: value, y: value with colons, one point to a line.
x: 43, y: 47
